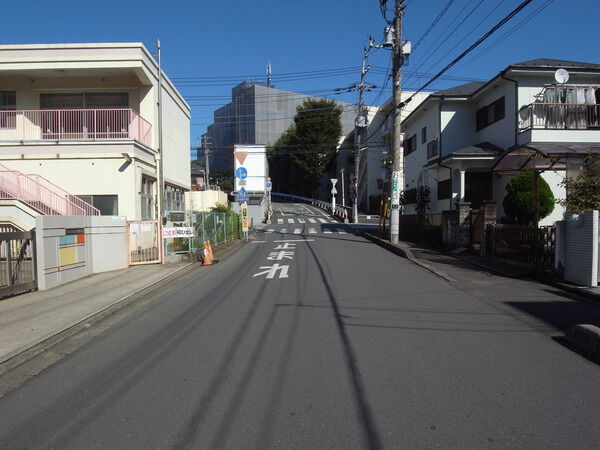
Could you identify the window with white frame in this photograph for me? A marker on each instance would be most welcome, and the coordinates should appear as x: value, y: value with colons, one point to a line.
x: 147, y: 198
x: 174, y: 198
x: 8, y: 106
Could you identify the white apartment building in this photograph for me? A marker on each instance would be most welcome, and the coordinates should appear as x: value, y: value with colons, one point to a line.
x: 85, y: 117
x: 456, y: 137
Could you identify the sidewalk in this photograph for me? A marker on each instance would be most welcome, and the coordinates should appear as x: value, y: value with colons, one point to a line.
x: 434, y: 261
x: 30, y: 319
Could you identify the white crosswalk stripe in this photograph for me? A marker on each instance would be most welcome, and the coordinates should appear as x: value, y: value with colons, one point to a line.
x: 312, y: 231
x: 290, y: 220
x: 312, y: 220
x: 322, y: 220
x: 301, y: 221
x: 279, y: 221
x: 297, y: 231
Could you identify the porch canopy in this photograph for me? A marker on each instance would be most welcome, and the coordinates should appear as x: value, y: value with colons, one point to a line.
x: 540, y: 157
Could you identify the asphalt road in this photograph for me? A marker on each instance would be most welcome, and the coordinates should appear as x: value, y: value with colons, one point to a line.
x: 312, y: 337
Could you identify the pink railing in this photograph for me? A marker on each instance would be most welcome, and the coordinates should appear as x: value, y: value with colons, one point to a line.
x: 74, y: 124
x: 42, y: 195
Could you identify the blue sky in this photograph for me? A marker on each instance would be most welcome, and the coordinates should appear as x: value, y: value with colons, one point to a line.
x: 313, y: 46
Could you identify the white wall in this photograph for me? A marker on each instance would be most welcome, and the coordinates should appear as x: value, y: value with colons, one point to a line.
x: 256, y: 165
x: 204, y: 200
x: 71, y: 247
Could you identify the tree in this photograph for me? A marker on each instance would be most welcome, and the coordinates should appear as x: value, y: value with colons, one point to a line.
x: 307, y: 149
x: 318, y: 130
x: 519, y: 201
x: 583, y: 191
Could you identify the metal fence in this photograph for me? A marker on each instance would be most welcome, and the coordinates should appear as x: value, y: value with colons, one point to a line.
x: 17, y: 262
x: 528, y: 245
x: 216, y: 227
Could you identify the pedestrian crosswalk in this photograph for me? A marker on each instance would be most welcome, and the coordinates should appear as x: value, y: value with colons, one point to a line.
x: 292, y: 221
x: 306, y: 230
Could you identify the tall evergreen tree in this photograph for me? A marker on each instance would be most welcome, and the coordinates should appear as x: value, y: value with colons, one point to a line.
x: 307, y: 149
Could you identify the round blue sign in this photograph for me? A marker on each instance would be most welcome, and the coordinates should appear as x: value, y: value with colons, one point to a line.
x: 241, y: 173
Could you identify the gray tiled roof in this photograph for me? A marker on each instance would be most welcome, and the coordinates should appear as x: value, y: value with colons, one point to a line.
x: 463, y: 89
x: 556, y: 63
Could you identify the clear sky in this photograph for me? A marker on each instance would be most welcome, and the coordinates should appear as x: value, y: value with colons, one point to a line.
x: 314, y: 46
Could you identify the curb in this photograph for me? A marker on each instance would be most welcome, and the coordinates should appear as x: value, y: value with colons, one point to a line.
x: 405, y: 252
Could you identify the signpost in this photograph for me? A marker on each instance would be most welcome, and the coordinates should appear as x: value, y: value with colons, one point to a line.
x: 333, y: 192
x: 242, y: 195
x: 244, y: 211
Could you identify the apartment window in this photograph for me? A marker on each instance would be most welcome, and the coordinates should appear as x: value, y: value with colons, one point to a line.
x: 490, y: 114
x: 147, y: 198
x: 432, y: 148
x: 444, y: 189
x: 174, y: 199
x: 107, y: 204
x: 96, y: 100
x: 410, y: 145
x: 8, y: 106
x: 423, y: 135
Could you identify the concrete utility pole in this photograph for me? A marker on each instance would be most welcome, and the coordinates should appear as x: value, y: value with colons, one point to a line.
x: 360, y: 126
x: 398, y: 151
x: 206, y: 160
x: 161, y: 179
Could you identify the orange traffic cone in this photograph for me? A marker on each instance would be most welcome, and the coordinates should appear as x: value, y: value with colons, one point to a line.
x: 207, y: 261
x: 212, y: 258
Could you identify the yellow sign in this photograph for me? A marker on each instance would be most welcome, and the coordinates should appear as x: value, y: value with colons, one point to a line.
x: 244, y: 210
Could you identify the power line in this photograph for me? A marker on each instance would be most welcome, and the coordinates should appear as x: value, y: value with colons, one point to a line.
x: 433, y: 24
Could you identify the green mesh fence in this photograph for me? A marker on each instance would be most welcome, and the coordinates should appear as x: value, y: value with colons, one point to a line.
x: 216, y: 227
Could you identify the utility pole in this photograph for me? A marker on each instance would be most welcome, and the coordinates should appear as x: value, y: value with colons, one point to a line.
x: 360, y: 126
x: 206, y: 160
x: 160, y: 156
x: 398, y: 151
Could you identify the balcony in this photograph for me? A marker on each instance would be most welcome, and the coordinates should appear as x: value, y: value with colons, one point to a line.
x: 74, y: 125
x: 559, y: 116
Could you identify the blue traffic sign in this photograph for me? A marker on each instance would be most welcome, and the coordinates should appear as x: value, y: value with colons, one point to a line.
x: 241, y: 173
x: 242, y: 195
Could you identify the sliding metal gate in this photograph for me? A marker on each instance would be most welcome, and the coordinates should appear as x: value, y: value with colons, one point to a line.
x: 17, y: 262
x: 145, y: 242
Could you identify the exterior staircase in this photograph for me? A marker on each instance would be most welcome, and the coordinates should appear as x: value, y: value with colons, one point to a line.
x: 41, y: 195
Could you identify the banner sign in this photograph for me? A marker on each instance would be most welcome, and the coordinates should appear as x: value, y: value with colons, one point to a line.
x: 178, y: 232
x: 244, y: 211
x: 396, y: 189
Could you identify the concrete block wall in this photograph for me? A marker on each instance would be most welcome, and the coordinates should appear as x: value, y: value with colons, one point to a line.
x: 581, y: 249
x: 72, y: 247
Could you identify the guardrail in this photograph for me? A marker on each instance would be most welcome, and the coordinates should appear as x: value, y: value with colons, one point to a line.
x: 342, y: 212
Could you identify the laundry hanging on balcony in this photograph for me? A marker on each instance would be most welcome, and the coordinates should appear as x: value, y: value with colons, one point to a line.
x: 566, y: 107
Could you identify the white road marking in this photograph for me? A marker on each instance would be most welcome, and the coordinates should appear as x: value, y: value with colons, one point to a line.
x: 280, y: 221
x: 294, y: 240
x: 340, y: 231
x: 270, y: 230
x: 322, y: 220
x: 297, y: 231
x: 284, y: 230
x: 301, y: 221
x: 327, y: 231
x: 312, y: 220
x: 312, y: 231
x: 258, y: 242
x: 290, y: 220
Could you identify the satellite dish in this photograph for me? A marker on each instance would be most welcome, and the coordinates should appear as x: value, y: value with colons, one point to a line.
x: 561, y: 76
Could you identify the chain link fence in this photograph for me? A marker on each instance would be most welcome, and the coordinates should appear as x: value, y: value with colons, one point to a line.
x: 216, y: 227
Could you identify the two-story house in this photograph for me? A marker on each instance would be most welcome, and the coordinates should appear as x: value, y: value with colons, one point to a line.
x: 457, y: 137
x: 86, y: 118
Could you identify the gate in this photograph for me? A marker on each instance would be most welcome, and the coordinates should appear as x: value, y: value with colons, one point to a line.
x: 145, y: 242
x: 475, y: 228
x: 18, y: 263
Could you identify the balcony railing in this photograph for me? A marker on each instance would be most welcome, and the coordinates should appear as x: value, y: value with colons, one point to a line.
x: 559, y: 116
x: 42, y: 195
x: 74, y: 125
